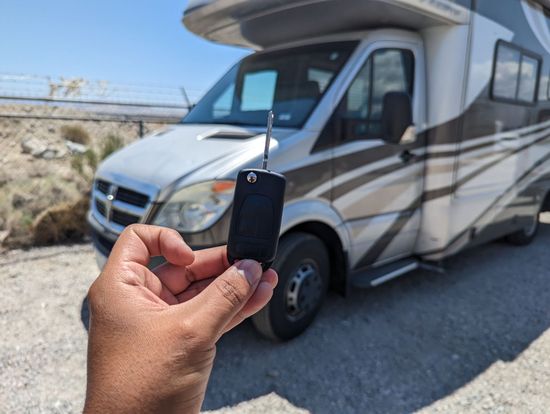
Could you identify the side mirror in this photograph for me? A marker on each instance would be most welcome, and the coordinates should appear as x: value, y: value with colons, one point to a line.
x: 397, y: 118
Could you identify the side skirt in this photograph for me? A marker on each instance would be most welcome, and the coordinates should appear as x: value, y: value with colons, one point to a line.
x: 374, y: 276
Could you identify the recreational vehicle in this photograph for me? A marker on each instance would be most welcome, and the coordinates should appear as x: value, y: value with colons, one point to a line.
x: 407, y: 130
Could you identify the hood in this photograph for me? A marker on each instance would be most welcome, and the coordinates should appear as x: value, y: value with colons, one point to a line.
x: 164, y: 157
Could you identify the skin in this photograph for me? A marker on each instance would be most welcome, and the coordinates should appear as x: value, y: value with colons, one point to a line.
x: 153, y: 334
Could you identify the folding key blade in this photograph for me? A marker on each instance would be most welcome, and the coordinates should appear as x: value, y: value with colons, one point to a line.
x: 267, y: 139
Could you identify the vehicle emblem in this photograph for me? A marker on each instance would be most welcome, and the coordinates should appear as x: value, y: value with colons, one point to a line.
x: 110, y: 198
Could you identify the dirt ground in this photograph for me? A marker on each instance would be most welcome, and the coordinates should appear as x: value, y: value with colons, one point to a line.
x: 473, y: 340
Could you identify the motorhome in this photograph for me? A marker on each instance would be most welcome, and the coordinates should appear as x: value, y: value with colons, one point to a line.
x: 408, y: 130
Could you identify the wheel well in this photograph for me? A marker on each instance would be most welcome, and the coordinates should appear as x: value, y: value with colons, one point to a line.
x: 333, y: 243
x: 546, y: 203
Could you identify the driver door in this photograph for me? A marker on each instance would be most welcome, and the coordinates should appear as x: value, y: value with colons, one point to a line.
x: 377, y: 185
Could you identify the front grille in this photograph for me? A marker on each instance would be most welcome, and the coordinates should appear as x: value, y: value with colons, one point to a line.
x: 109, y: 208
x: 103, y: 244
x: 122, y: 218
x: 102, y: 186
x: 101, y: 209
x: 131, y: 197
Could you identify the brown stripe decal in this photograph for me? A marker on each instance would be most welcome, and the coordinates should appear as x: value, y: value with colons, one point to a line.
x: 523, y: 176
x: 384, y: 241
x: 304, y: 179
x: 352, y: 184
x: 441, y: 192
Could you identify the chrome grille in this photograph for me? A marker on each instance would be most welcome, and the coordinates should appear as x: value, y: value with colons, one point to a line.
x: 100, y: 206
x: 102, y: 186
x: 117, y: 206
x: 132, y: 197
x: 122, y: 218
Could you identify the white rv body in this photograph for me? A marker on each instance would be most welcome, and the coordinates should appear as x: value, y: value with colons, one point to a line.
x: 474, y: 167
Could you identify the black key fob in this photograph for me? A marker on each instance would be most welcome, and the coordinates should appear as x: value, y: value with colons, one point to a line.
x: 256, y: 217
x: 257, y: 211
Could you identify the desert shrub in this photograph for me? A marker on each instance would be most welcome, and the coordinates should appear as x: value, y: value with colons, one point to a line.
x: 111, y: 143
x: 26, y: 220
x: 85, y: 164
x: 75, y: 133
x: 62, y: 223
x: 91, y: 158
x: 33, y: 196
x: 77, y: 163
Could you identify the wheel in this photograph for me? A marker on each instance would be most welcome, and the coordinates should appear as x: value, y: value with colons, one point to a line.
x: 303, y: 266
x: 526, y: 235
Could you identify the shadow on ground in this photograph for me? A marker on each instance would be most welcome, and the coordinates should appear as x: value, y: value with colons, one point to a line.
x: 401, y: 346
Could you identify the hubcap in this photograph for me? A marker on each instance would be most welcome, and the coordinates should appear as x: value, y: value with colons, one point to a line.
x: 303, y: 291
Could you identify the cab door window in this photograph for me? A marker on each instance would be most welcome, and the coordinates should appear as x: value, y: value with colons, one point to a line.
x: 386, y: 70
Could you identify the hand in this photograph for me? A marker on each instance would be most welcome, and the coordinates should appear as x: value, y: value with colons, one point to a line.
x: 153, y: 333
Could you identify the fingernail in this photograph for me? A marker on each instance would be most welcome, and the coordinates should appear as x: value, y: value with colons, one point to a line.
x: 250, y: 269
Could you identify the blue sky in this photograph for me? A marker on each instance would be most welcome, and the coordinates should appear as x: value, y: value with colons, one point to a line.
x: 138, y: 41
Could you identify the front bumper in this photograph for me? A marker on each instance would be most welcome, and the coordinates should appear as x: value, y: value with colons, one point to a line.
x: 100, y: 258
x: 104, y: 239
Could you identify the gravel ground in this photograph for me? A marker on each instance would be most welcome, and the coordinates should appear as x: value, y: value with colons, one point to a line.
x: 475, y: 339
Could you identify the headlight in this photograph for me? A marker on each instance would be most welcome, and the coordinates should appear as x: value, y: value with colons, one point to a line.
x: 197, y: 207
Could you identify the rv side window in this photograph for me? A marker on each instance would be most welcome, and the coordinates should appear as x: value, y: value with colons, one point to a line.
x: 515, y: 76
x: 386, y: 70
x: 527, y: 79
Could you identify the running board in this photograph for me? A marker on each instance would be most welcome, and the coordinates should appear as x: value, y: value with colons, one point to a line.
x: 377, y: 275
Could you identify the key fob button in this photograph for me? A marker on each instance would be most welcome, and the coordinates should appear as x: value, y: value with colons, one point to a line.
x: 254, y: 224
x: 244, y: 248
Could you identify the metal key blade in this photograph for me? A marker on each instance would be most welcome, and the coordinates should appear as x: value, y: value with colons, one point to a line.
x: 267, y: 139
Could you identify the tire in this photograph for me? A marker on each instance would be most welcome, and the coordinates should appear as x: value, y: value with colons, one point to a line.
x: 303, y: 266
x: 525, y: 236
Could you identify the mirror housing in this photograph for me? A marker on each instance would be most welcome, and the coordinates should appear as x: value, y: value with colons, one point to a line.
x: 396, y: 116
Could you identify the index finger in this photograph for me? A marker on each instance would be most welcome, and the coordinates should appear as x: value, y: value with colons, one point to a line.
x: 139, y: 242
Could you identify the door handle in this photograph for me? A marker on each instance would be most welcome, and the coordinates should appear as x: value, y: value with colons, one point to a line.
x: 406, y: 156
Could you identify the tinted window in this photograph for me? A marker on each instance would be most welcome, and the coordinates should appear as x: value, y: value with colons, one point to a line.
x: 258, y: 90
x: 506, y: 72
x: 515, y: 74
x: 528, y: 79
x: 386, y: 70
x: 357, y: 97
x: 222, y: 105
x: 291, y: 82
x: 322, y: 77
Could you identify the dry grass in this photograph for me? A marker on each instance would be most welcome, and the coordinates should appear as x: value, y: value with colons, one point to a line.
x: 44, y: 201
x: 75, y: 133
x: 111, y: 144
x: 62, y: 223
x: 22, y: 200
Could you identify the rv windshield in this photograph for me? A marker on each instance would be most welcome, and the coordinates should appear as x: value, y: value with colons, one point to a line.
x: 291, y: 82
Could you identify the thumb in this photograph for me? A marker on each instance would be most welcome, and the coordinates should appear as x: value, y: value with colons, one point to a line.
x: 223, y: 299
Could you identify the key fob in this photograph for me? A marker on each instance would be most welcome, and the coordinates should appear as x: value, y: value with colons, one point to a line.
x: 256, y: 217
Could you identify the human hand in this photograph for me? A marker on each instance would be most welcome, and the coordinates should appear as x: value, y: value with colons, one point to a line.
x: 152, y: 333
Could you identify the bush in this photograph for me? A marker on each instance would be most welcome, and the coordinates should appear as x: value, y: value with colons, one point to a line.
x: 75, y: 133
x: 79, y: 162
x: 91, y: 158
x: 111, y: 144
x: 62, y: 223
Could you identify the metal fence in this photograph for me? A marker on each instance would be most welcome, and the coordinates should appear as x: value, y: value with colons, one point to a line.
x: 99, y: 101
